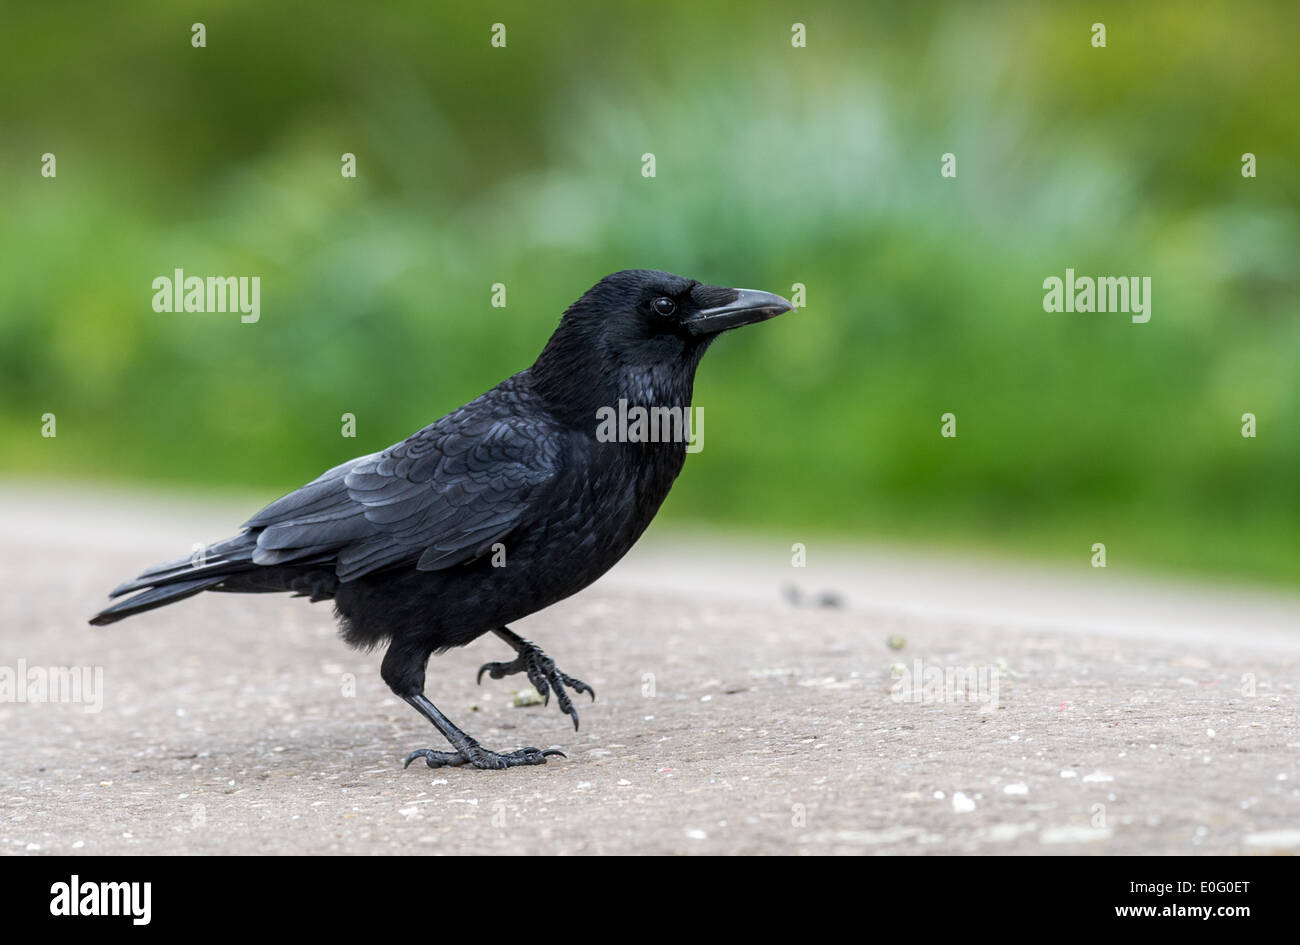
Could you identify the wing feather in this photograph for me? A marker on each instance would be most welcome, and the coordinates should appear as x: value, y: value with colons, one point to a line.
x: 437, y: 499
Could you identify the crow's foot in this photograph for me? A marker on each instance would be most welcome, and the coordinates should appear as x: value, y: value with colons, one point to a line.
x: 480, y: 757
x: 542, y: 673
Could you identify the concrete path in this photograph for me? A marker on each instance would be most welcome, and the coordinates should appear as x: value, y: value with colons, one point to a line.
x: 941, y: 707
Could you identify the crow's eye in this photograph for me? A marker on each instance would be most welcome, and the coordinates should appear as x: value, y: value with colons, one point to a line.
x: 664, y: 306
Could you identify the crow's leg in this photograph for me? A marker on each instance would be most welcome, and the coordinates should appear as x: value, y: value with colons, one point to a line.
x: 541, y: 671
x: 468, y: 751
x: 403, y: 670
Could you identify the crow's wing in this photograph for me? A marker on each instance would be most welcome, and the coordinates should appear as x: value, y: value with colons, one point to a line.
x: 439, y: 498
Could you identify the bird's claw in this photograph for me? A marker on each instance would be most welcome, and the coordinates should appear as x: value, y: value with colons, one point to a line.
x: 480, y: 757
x: 545, y: 677
x: 497, y: 670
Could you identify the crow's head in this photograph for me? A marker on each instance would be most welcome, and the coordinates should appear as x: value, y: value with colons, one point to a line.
x: 642, y: 314
x: 641, y: 326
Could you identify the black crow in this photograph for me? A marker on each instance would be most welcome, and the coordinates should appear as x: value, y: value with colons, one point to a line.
x: 506, y: 505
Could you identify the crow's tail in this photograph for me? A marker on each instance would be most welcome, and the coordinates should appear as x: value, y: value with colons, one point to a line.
x: 179, y: 579
x: 154, y: 597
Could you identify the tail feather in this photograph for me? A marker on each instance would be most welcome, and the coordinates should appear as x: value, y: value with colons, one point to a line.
x: 155, y: 597
x: 225, y: 557
x: 226, y: 566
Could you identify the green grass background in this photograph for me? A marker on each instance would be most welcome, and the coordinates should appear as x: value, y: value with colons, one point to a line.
x: 775, y: 166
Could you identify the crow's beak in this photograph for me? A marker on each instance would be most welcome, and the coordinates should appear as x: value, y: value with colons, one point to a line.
x: 748, y: 307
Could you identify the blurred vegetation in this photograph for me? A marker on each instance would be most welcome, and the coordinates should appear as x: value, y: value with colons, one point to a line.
x: 775, y: 165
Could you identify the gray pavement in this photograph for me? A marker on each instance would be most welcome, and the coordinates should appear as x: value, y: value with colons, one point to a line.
x: 945, y: 707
